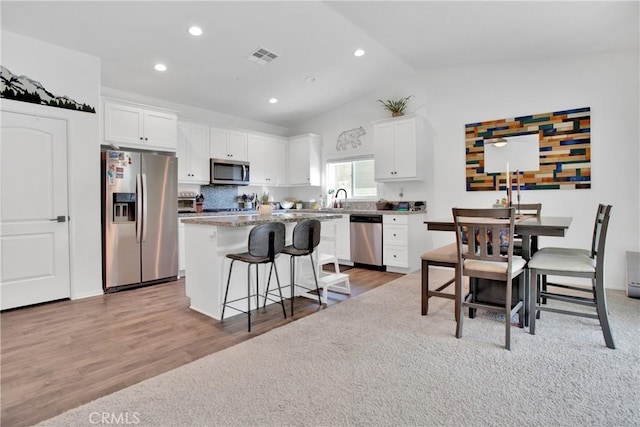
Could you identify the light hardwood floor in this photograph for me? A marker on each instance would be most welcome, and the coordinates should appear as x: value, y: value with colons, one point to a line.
x: 60, y: 355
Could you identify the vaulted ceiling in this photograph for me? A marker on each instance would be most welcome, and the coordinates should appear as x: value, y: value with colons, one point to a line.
x: 315, y: 70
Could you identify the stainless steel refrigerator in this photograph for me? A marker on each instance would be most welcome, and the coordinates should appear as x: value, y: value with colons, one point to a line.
x: 139, y: 218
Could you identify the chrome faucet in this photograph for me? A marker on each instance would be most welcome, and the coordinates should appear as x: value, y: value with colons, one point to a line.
x: 340, y: 205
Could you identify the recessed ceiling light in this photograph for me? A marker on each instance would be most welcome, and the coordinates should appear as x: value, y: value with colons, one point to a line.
x: 273, y: 100
x: 195, y: 31
x: 160, y: 67
x: 358, y: 52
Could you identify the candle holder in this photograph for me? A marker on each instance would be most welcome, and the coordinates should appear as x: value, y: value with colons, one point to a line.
x: 518, y: 191
x: 509, y: 191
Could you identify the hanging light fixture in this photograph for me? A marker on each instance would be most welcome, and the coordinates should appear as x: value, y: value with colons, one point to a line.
x: 499, y: 142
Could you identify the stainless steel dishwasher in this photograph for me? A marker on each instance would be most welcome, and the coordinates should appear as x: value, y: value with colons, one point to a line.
x: 366, y: 240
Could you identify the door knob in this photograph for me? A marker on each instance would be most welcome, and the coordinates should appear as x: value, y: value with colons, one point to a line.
x: 59, y: 218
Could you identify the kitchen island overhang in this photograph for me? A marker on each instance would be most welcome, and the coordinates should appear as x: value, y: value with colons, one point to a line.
x: 208, y: 239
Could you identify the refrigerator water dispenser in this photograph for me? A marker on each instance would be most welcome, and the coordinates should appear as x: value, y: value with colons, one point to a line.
x: 124, y: 207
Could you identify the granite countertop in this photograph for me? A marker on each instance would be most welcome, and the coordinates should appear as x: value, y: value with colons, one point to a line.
x: 347, y: 211
x: 242, y: 219
x: 336, y: 211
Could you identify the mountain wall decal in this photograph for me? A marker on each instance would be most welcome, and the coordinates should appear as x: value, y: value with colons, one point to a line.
x: 23, y: 88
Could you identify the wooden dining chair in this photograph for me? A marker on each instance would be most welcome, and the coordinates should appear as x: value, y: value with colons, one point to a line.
x: 573, y: 262
x: 526, y: 210
x: 488, y: 231
x: 447, y: 257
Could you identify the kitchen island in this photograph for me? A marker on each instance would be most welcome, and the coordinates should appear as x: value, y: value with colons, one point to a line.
x: 208, y: 239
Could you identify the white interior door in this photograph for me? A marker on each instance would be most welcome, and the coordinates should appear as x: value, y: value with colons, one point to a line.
x: 34, y: 233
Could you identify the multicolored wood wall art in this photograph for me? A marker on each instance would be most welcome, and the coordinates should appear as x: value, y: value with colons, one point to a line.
x: 565, y: 150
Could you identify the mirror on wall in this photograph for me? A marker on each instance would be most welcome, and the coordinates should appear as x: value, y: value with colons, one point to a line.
x: 521, y: 152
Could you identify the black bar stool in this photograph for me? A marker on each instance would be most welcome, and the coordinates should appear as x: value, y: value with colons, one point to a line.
x: 265, y: 242
x: 306, y: 237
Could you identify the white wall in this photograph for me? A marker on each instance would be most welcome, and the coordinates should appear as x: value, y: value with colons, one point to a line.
x: 66, y: 72
x: 453, y: 97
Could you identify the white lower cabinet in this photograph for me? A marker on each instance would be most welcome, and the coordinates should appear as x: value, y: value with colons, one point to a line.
x: 327, y: 237
x: 181, y: 258
x: 396, y: 256
x: 343, y: 239
x: 404, y: 240
x: 335, y: 238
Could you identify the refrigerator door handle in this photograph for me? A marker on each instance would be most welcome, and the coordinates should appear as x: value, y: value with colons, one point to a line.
x: 138, y: 207
x: 144, y: 207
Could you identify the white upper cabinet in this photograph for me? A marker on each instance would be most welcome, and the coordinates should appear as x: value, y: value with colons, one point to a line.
x: 399, y: 147
x: 139, y: 126
x: 268, y: 160
x: 193, y: 153
x: 228, y: 144
x: 305, y: 160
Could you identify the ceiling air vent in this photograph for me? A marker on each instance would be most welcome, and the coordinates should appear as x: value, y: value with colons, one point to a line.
x: 262, y: 56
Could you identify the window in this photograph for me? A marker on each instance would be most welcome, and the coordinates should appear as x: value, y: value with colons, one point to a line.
x: 355, y: 176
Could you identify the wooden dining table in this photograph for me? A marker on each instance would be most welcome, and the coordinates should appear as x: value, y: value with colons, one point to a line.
x: 529, y: 228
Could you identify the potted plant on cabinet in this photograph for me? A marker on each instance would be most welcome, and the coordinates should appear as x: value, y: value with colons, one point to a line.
x: 396, y: 107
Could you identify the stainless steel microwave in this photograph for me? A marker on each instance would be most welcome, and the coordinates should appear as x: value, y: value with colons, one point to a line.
x: 230, y: 172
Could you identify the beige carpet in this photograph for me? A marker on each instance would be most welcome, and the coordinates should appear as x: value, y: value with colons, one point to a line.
x: 374, y: 360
